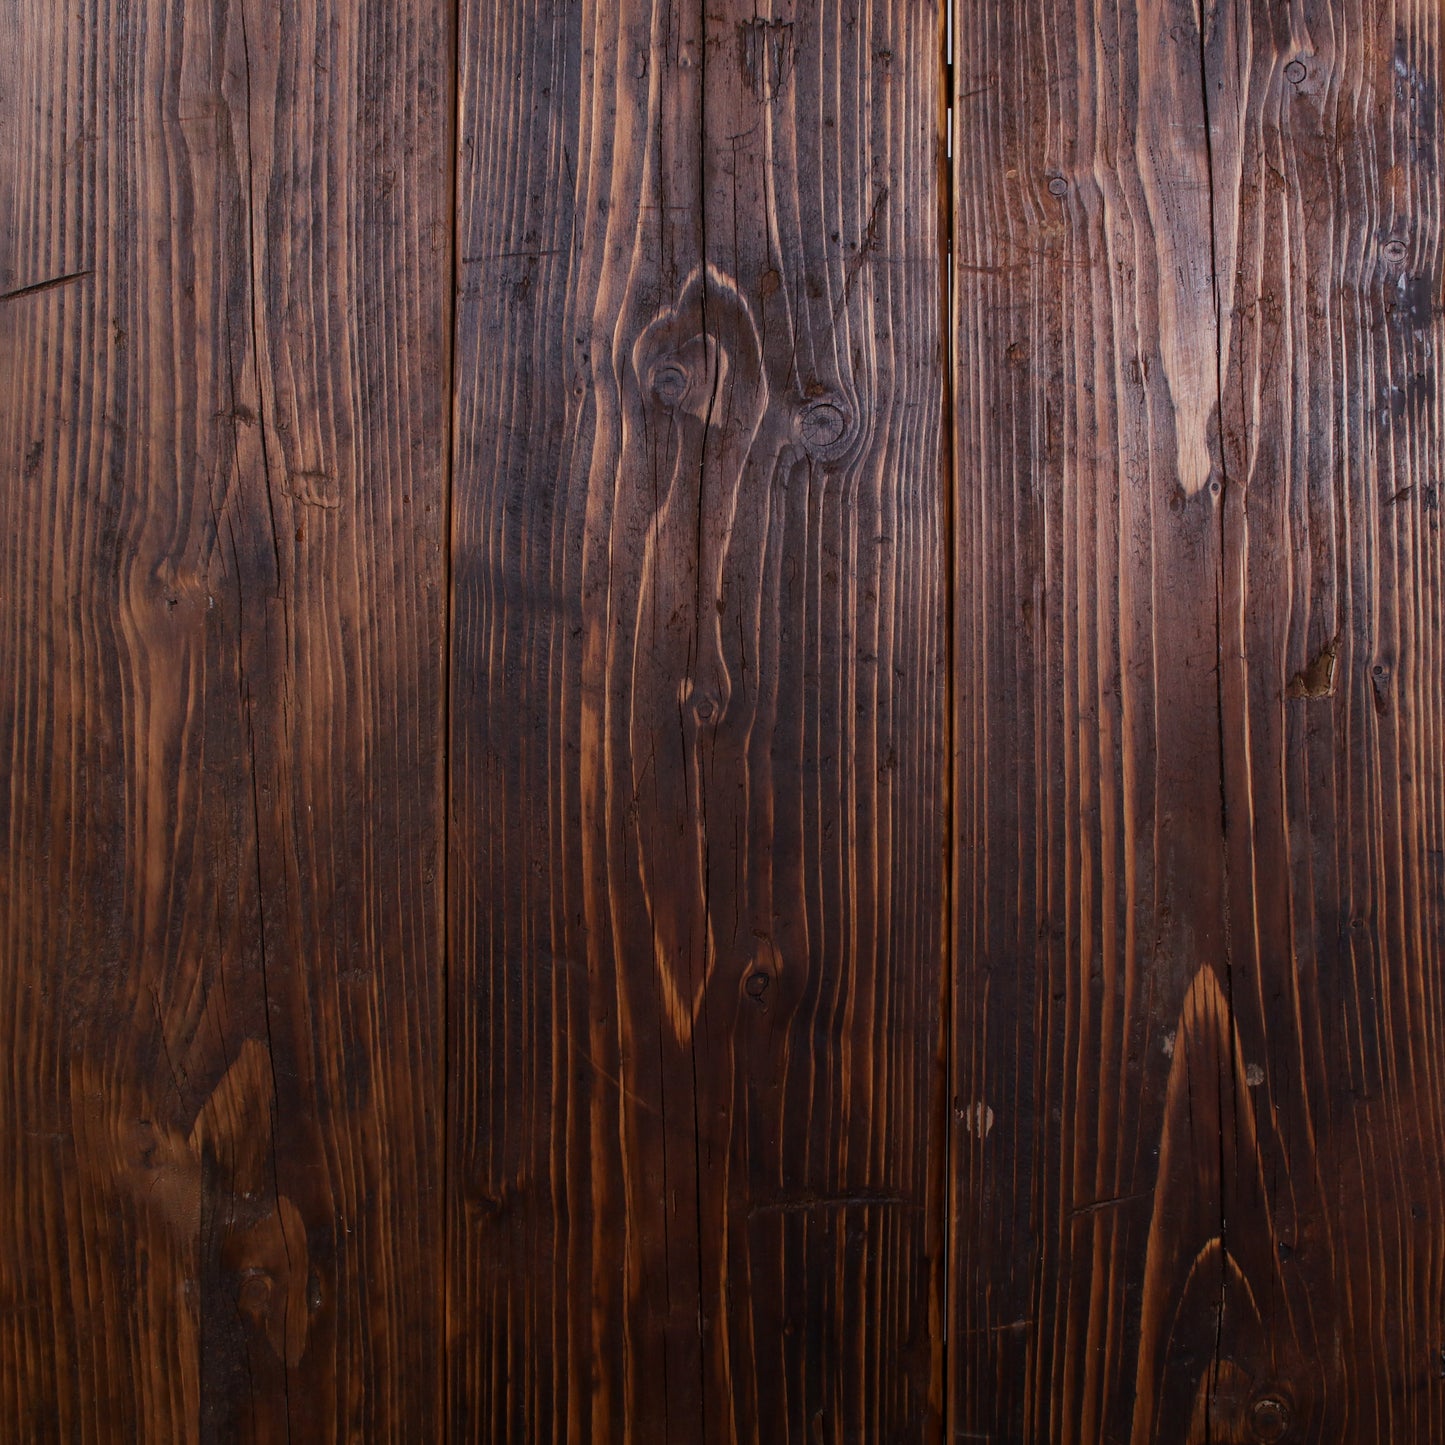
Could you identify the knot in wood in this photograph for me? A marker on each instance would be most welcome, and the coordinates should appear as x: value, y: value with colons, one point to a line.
x: 823, y: 427
x: 705, y: 698
x: 254, y: 1296
x: 1269, y: 1418
x: 670, y: 382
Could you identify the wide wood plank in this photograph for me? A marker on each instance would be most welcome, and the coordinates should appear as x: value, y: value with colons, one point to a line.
x: 224, y: 259
x: 1198, y: 1108
x: 697, y: 747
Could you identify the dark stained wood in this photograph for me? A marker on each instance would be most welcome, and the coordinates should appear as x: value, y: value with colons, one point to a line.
x: 224, y: 259
x: 1197, y: 1137
x: 1336, y: 794
x: 679, y: 768
x: 698, y: 782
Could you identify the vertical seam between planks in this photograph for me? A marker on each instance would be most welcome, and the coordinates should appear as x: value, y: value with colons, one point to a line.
x: 448, y: 615
x: 949, y: 476
x: 1219, y: 593
x: 702, y: 608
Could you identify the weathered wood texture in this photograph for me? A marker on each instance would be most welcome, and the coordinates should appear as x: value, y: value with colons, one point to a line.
x: 224, y: 253
x: 698, y: 782
x: 689, y: 868
x: 1199, y: 1106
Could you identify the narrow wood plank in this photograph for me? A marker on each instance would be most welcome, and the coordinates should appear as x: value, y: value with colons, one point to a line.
x: 1090, y: 882
x: 1332, y: 686
x: 223, y: 360
x: 1198, y: 1165
x: 697, y: 724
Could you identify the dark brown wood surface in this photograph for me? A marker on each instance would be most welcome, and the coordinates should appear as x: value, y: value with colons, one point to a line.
x: 224, y: 253
x: 698, y: 774
x: 1197, y: 1087
x: 683, y: 765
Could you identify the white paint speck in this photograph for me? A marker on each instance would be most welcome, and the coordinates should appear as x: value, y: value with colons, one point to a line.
x: 1254, y: 1076
x: 978, y: 1120
x: 1167, y: 1043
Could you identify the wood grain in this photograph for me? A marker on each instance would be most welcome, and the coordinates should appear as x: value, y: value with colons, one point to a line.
x: 697, y: 749
x: 680, y: 767
x: 1198, y: 1107
x: 1332, y: 598
x: 223, y: 357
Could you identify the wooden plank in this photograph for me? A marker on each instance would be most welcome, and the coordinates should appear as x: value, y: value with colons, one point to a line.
x: 223, y: 361
x: 697, y: 724
x: 1332, y: 687
x: 1198, y: 1165
x: 1090, y: 884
